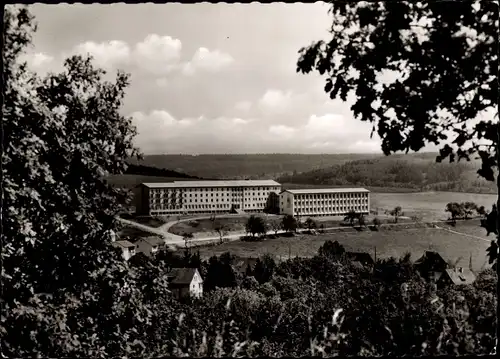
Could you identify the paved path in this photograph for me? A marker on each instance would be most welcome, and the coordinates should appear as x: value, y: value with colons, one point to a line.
x: 462, y: 234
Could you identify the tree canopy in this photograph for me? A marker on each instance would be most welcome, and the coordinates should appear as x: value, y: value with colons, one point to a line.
x: 62, y: 281
x: 445, y: 55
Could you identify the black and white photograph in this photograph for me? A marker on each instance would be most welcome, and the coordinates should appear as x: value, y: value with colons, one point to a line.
x: 254, y: 179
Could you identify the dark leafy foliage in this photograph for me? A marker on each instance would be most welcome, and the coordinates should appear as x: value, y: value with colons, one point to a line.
x: 63, y: 285
x: 289, y: 223
x: 256, y: 225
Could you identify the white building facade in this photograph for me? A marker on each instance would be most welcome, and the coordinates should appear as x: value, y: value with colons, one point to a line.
x: 324, y: 202
x: 192, y: 197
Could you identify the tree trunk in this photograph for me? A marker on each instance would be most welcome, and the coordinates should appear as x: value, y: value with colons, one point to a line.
x: 498, y: 190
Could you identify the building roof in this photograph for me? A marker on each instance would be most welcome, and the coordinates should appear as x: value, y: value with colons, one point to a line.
x: 241, y: 263
x: 153, y: 240
x: 460, y: 276
x: 220, y: 183
x: 182, y: 275
x: 123, y: 244
x: 325, y: 190
x: 431, y: 257
x: 361, y: 257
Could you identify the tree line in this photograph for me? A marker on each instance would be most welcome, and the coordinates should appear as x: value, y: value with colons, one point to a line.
x: 397, y: 173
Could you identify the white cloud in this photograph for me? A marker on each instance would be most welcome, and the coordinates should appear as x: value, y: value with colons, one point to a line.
x: 160, y: 132
x: 207, y: 60
x: 243, y: 106
x: 40, y: 62
x: 39, y: 59
x: 282, y: 130
x: 275, y: 101
x: 106, y: 54
x: 157, y: 54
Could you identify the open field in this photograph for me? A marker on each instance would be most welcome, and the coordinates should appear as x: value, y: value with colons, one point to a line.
x: 394, y: 242
x: 429, y: 206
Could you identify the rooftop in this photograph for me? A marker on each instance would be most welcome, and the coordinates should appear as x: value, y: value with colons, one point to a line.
x: 182, y: 275
x: 154, y: 240
x: 325, y: 190
x: 124, y: 244
x: 220, y: 183
x: 461, y: 276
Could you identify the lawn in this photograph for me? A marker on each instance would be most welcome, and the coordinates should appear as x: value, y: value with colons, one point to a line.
x: 394, y: 242
x: 234, y: 224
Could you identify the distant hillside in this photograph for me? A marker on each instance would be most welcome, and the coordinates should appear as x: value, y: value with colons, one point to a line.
x: 257, y: 166
x: 155, y: 171
x: 137, y: 174
x: 416, y: 173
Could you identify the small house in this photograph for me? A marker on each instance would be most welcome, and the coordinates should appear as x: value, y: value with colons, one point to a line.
x: 431, y: 265
x: 185, y: 282
x: 457, y: 276
x: 362, y: 257
x: 240, y: 264
x: 149, y: 245
x: 128, y: 248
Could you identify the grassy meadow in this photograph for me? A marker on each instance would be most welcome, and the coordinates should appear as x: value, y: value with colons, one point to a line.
x: 387, y: 242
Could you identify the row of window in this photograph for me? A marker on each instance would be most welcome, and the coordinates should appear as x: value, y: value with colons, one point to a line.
x: 331, y: 209
x: 331, y: 195
x: 204, y: 206
x: 331, y: 201
x: 201, y: 200
x: 157, y: 195
x: 215, y: 189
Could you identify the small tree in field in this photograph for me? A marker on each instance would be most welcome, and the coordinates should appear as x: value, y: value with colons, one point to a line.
x: 275, y: 225
x: 361, y: 220
x: 396, y: 213
x: 455, y: 209
x: 289, y: 223
x: 468, y: 209
x: 376, y: 223
x: 310, y: 224
x: 481, y: 211
x: 222, y: 230
x: 351, y: 216
x: 187, y: 237
x: 255, y: 225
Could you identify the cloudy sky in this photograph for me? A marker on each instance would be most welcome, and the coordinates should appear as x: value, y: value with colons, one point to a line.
x: 209, y: 78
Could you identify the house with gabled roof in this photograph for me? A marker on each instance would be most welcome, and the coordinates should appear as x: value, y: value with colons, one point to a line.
x: 149, y: 245
x: 431, y: 265
x: 185, y: 282
x: 128, y: 248
x: 363, y: 258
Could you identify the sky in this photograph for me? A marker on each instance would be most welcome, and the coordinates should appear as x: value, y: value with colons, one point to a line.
x: 209, y: 78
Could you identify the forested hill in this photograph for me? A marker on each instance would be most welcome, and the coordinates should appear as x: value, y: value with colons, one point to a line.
x: 255, y: 166
x: 392, y: 172
x: 154, y: 171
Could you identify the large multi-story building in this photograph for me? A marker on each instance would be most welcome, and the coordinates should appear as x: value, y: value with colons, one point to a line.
x: 324, y: 202
x: 191, y: 197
